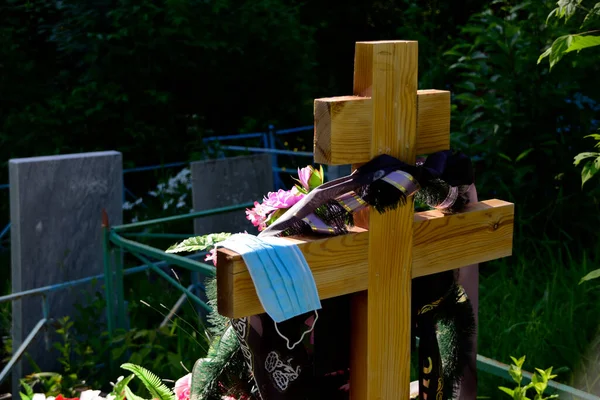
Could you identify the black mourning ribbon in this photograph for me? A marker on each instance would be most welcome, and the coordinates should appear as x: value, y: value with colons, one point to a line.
x: 452, y: 167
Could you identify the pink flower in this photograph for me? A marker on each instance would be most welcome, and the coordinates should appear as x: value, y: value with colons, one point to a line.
x: 212, y: 256
x: 282, y: 198
x: 304, y: 176
x: 182, y: 387
x: 259, y: 215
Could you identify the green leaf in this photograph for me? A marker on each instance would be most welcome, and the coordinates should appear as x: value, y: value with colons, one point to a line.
x: 544, y: 54
x: 505, y: 157
x: 198, y: 243
x: 582, y: 156
x: 119, y: 388
x: 580, y: 42
x: 592, y: 275
x: 589, y: 170
x: 519, y: 362
x: 523, y: 155
x: 566, y: 9
x: 157, y: 389
x: 566, y: 44
x: 28, y: 391
x: 129, y: 395
x: 559, y: 48
x: 594, y: 12
x: 595, y: 136
x: 508, y: 391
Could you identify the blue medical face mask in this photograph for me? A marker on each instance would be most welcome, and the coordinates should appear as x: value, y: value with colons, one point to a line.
x: 284, y: 283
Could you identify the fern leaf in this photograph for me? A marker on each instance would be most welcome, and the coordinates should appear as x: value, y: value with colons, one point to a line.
x: 198, y: 243
x: 157, y: 389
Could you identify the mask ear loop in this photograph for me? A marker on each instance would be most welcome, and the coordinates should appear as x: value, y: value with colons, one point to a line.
x: 287, y: 341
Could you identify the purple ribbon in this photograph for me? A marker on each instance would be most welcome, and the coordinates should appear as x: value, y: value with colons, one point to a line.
x: 351, y: 202
x: 402, y: 181
x: 317, y: 225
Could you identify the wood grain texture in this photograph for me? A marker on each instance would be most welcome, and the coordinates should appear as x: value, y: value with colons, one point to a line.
x: 339, y: 263
x: 363, y: 69
x: 394, y: 127
x: 359, y: 312
x: 343, y: 127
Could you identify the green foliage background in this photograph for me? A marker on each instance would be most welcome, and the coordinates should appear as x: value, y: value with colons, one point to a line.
x: 152, y: 78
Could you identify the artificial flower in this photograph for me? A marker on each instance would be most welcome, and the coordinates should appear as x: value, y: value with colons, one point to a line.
x: 182, y: 387
x: 258, y: 215
x: 90, y: 395
x: 304, y: 176
x: 212, y: 256
x: 310, y: 178
x: 60, y: 397
x: 317, y: 178
x: 282, y: 198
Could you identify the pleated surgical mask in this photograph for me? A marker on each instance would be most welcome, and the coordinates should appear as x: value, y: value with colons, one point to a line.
x: 284, y: 283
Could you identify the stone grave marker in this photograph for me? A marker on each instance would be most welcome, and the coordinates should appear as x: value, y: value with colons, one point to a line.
x: 227, y: 182
x: 56, y: 235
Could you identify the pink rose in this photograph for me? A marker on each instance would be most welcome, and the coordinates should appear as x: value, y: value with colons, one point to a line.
x: 182, y: 387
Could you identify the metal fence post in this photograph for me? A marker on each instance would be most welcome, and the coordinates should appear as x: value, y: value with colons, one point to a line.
x: 108, y: 289
x: 117, y: 253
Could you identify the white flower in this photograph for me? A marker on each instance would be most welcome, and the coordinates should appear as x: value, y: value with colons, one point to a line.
x: 139, y: 201
x: 90, y: 395
x: 38, y: 396
x: 127, y: 206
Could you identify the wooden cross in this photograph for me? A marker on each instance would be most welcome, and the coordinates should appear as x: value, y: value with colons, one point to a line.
x: 387, y: 114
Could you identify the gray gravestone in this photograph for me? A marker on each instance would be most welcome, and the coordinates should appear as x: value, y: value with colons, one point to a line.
x: 227, y: 182
x: 56, y: 236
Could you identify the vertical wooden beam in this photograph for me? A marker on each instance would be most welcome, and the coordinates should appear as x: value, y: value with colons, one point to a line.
x: 394, y: 98
x: 363, y: 80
